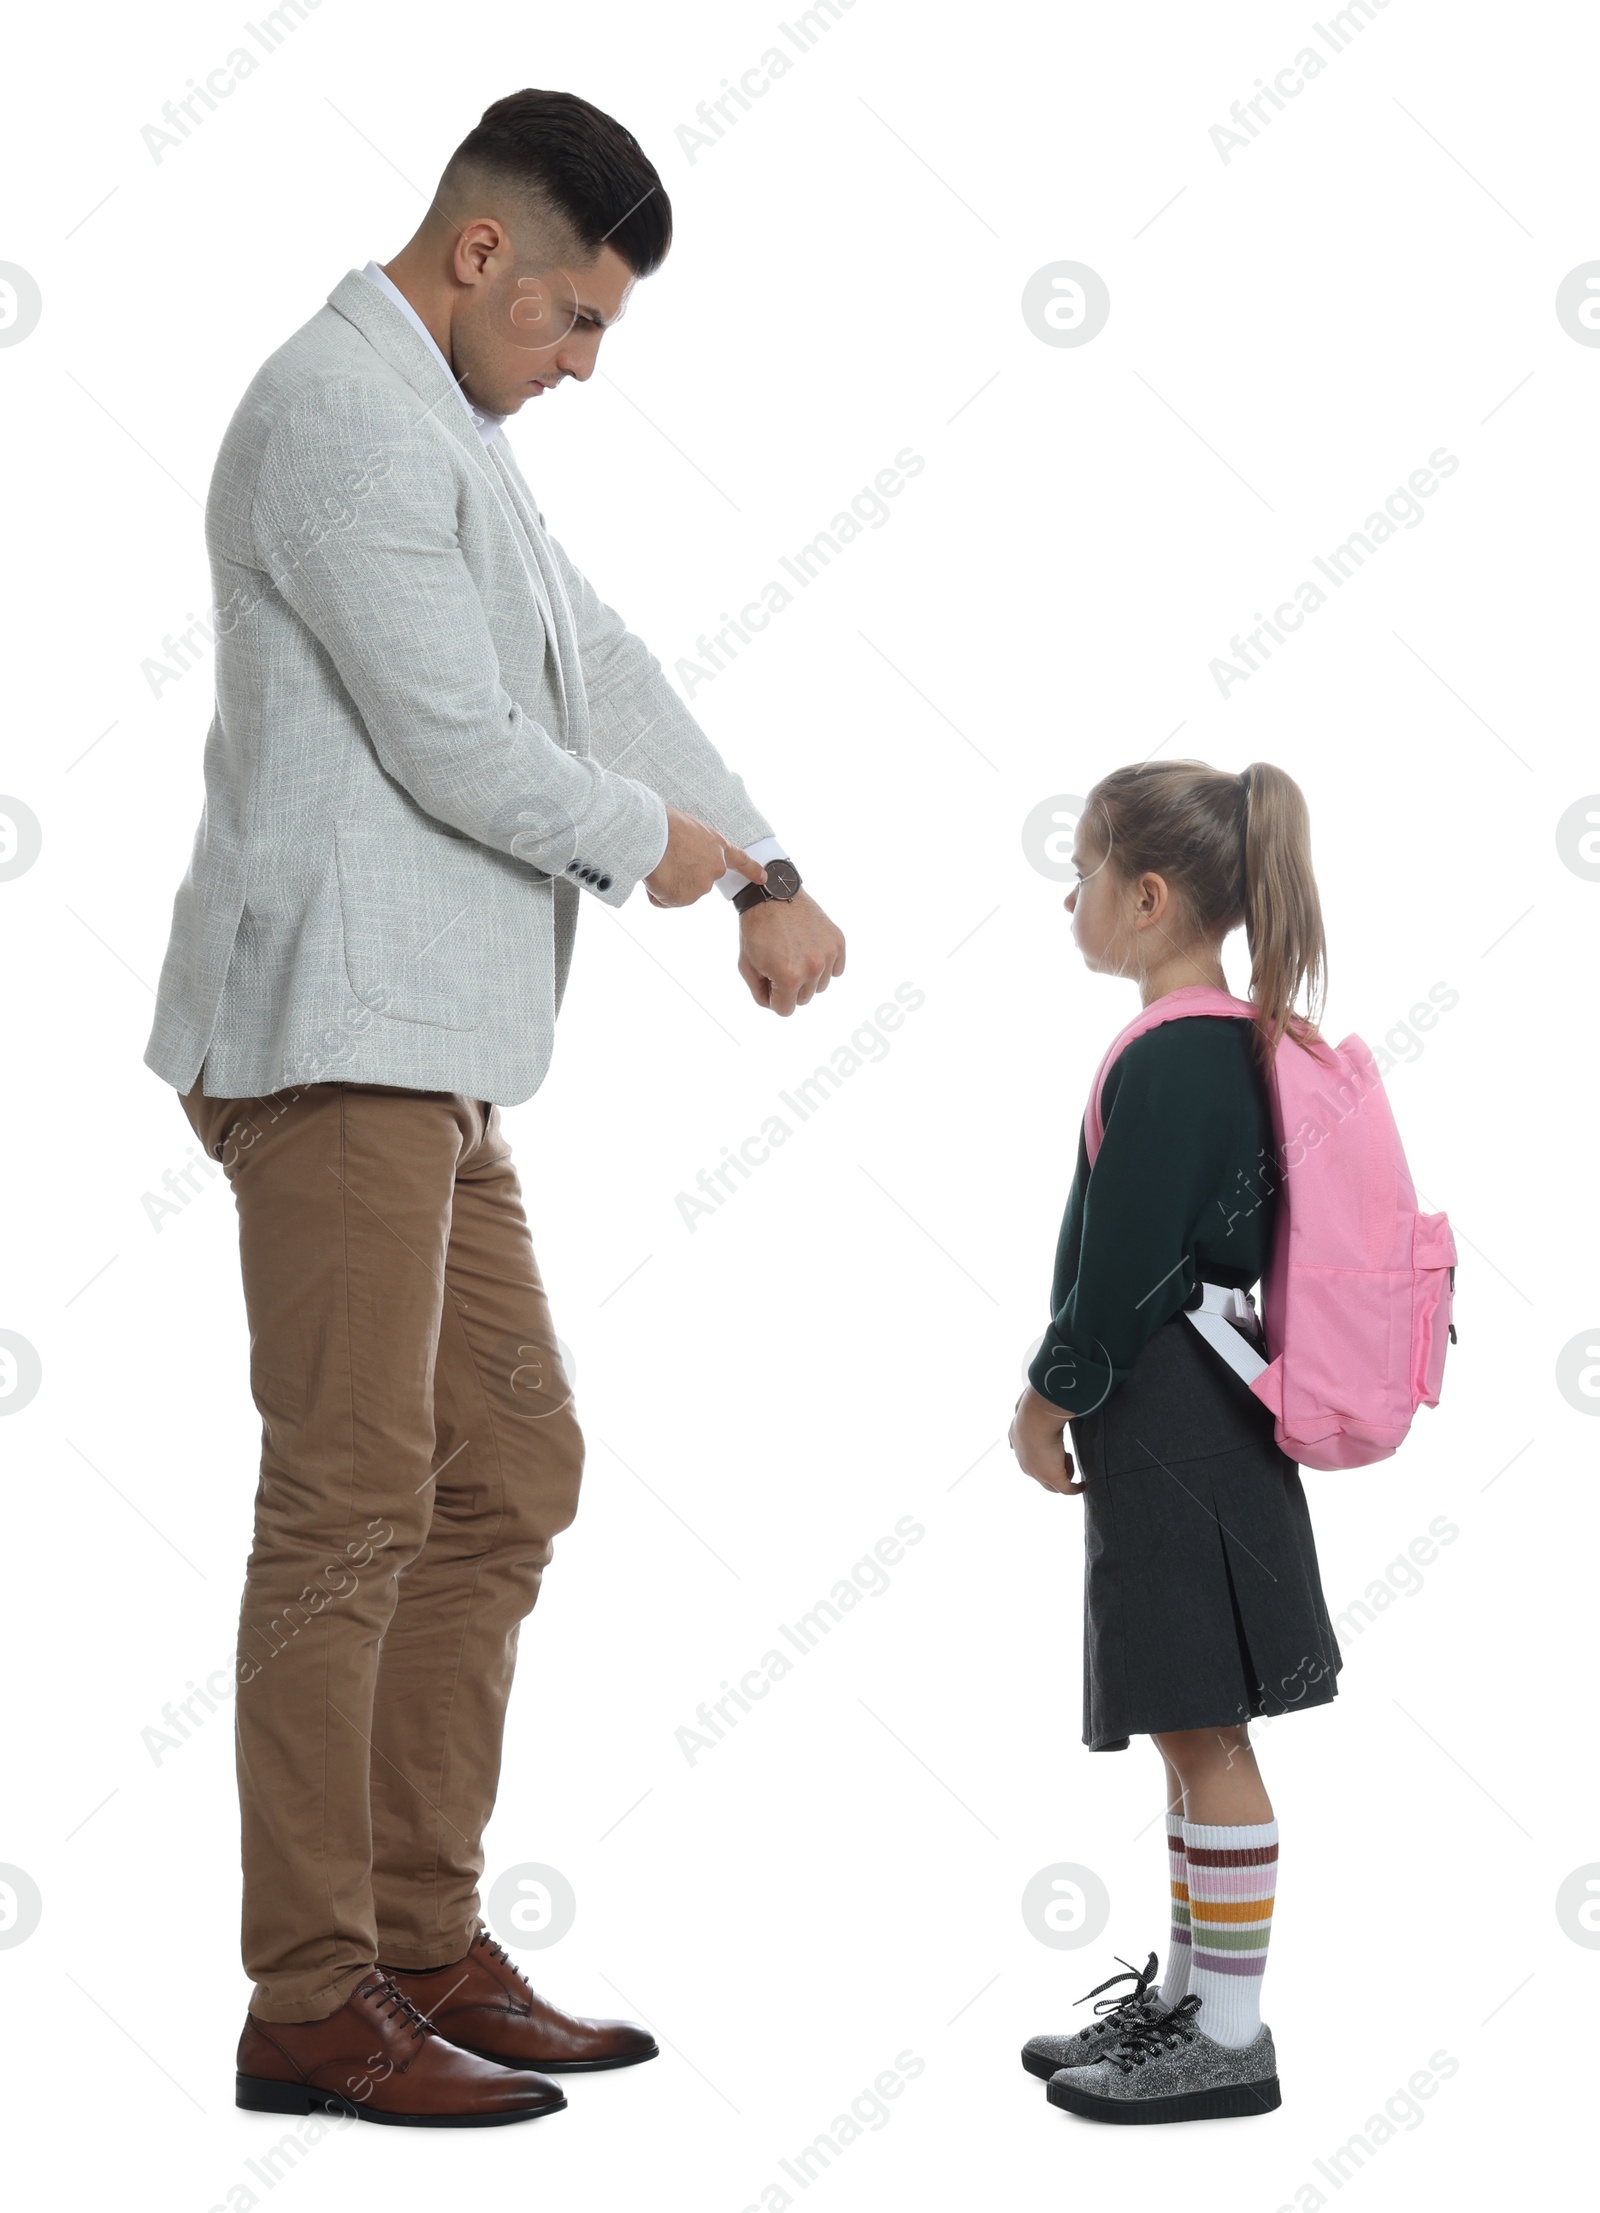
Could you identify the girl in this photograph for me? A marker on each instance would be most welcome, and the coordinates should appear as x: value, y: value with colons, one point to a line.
x: 1202, y: 1601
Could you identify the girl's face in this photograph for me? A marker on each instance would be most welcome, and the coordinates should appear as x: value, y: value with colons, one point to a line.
x: 1098, y: 903
x: 1134, y: 926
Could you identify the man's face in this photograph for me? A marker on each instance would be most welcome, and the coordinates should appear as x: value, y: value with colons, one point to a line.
x: 515, y: 336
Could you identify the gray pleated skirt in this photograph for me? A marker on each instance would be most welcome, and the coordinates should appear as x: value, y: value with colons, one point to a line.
x: 1203, y: 1605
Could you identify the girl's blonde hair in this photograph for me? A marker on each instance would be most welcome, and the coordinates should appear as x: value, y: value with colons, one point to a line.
x: 1235, y: 849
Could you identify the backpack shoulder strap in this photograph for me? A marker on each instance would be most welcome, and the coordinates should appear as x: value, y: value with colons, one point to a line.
x: 1172, y: 1006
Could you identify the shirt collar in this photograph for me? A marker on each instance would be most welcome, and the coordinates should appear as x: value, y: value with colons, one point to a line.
x: 488, y: 425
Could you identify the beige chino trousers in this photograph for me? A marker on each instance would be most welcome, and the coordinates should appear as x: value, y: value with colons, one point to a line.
x: 419, y: 1453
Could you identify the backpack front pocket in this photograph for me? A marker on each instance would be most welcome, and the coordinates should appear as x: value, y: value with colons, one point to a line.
x: 1434, y: 1256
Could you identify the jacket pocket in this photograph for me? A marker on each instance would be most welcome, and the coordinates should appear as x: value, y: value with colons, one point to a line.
x: 410, y: 934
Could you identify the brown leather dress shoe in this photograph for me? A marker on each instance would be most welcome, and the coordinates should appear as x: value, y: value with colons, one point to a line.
x: 484, y: 2004
x: 382, y: 2060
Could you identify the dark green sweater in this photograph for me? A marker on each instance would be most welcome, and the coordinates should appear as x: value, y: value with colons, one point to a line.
x: 1181, y: 1192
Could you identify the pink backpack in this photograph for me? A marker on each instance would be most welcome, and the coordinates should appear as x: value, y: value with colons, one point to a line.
x: 1357, y: 1296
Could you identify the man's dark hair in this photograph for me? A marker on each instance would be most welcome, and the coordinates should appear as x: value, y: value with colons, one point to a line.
x: 586, y: 181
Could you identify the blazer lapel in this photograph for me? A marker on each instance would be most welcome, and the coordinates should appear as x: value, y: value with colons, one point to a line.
x: 552, y: 600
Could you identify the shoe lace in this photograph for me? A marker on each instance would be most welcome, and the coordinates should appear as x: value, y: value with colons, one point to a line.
x: 1158, y: 2033
x: 502, y: 1957
x: 1141, y: 1978
x: 388, y: 1997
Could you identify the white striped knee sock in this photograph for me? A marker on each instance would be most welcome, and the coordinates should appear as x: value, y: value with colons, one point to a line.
x: 1233, y: 1874
x: 1175, y: 1982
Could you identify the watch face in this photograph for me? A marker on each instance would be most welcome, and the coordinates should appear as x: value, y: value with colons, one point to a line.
x: 783, y: 880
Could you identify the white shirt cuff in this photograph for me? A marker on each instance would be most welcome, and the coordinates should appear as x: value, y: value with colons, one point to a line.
x: 763, y: 850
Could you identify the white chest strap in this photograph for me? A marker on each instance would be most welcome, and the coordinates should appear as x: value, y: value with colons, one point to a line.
x: 1215, y: 1317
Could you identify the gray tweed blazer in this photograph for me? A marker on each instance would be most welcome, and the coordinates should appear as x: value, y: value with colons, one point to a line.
x: 430, y: 735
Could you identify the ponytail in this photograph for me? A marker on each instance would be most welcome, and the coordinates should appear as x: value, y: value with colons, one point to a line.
x: 1236, y: 849
x: 1282, y: 914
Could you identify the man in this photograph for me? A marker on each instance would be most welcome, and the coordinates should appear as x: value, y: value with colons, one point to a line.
x: 432, y: 740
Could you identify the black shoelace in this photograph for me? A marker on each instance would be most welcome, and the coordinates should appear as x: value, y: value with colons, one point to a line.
x: 1162, y: 2034
x: 1114, y: 2008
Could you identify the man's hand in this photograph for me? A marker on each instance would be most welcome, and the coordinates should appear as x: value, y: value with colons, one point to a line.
x: 694, y: 859
x: 1038, y: 1438
x: 788, y: 951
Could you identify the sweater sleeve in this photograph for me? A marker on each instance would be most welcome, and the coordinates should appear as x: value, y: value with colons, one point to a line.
x: 1162, y: 1160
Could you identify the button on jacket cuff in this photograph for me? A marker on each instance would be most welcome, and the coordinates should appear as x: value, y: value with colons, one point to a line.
x: 614, y: 854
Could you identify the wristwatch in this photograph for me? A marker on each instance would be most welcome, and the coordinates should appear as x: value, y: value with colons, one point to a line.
x: 783, y: 881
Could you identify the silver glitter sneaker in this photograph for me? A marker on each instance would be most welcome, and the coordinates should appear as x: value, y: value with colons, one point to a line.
x: 1167, y: 2069
x: 1045, y: 2056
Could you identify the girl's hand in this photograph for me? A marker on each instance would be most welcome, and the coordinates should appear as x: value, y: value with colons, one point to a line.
x: 1039, y: 1440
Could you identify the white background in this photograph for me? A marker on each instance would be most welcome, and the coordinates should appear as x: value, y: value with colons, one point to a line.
x: 837, y: 1883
